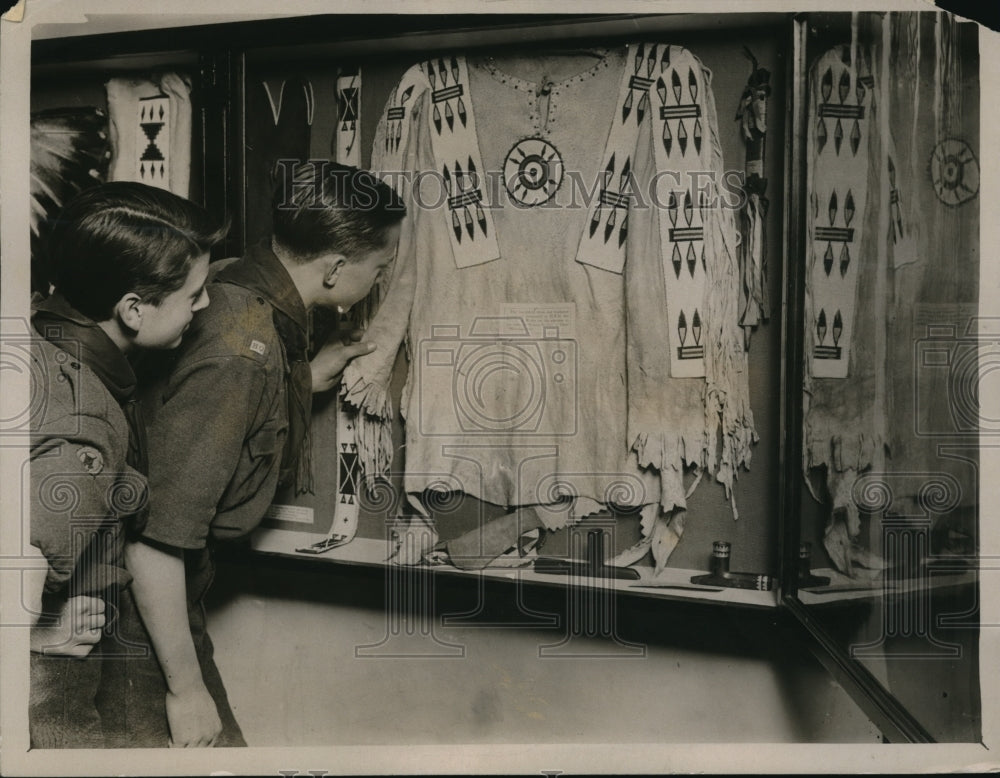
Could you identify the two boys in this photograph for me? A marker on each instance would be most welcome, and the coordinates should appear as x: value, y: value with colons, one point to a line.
x: 226, y: 414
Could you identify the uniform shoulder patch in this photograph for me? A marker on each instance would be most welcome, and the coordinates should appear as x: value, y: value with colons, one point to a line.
x: 258, y: 347
x: 91, y: 459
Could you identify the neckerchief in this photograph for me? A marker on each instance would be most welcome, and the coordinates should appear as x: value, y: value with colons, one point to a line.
x: 261, y: 272
x: 61, y: 324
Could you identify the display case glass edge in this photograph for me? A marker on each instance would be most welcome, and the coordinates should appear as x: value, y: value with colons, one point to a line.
x: 896, y: 724
x: 793, y: 275
x: 893, y: 720
x: 868, y: 638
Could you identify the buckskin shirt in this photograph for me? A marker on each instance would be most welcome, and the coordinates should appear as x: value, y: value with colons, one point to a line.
x: 570, y: 334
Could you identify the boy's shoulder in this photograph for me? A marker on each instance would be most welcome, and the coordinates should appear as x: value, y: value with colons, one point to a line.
x: 236, y: 323
x: 62, y: 387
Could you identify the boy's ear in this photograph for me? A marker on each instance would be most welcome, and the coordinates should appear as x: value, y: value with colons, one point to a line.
x: 128, y: 311
x: 332, y: 264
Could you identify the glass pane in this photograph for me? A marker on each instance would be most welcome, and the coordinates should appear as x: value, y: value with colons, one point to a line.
x: 891, y: 415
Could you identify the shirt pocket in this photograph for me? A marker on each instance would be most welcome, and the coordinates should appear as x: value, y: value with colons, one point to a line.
x: 266, y: 442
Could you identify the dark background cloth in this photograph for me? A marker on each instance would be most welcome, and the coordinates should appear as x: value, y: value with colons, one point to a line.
x: 267, y: 142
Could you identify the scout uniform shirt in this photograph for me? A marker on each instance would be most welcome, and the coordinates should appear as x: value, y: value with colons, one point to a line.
x: 217, y: 408
x: 86, y: 453
x: 83, y: 483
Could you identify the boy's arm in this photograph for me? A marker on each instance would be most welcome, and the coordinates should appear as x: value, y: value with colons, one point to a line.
x: 74, y: 630
x: 160, y: 590
x: 33, y: 585
x: 196, y: 439
x: 74, y: 472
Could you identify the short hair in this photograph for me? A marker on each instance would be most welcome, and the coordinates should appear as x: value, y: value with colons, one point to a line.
x: 321, y: 206
x: 123, y: 237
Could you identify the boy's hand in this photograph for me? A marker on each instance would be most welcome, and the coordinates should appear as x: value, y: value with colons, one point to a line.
x: 73, y: 631
x: 193, y: 718
x: 329, y: 363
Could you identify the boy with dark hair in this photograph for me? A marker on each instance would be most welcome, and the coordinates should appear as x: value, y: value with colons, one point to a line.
x: 129, y: 264
x: 228, y: 415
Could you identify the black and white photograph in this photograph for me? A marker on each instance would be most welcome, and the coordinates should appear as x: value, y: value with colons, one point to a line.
x: 492, y: 386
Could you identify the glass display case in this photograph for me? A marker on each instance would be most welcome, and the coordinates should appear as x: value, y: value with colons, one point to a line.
x: 848, y: 498
x: 890, y: 354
